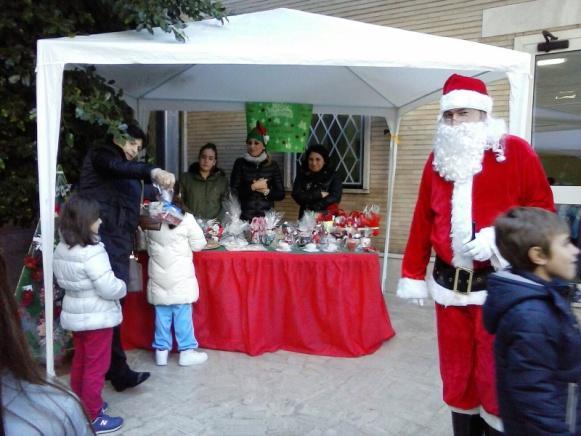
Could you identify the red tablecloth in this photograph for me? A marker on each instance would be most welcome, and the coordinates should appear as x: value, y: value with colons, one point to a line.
x: 257, y: 302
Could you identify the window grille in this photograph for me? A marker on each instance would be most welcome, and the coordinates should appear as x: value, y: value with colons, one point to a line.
x: 344, y: 136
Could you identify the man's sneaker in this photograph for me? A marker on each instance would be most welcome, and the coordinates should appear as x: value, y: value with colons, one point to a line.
x: 161, y: 357
x: 192, y: 357
x: 106, y: 424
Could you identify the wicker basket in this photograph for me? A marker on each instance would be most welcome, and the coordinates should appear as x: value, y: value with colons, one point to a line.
x: 147, y: 222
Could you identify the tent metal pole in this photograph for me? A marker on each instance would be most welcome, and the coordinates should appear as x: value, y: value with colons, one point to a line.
x: 393, y: 142
x: 48, y: 103
x: 520, y: 104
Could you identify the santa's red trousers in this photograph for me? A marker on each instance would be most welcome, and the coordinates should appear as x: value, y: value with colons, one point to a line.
x: 466, y: 358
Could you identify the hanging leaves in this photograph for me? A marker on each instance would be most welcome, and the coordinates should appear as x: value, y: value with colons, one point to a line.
x: 92, y: 107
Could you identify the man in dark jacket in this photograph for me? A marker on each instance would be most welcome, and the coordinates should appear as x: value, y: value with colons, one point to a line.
x: 538, y: 342
x: 109, y: 176
x: 256, y: 179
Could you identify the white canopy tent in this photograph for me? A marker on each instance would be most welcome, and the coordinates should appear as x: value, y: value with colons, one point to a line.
x: 282, y: 55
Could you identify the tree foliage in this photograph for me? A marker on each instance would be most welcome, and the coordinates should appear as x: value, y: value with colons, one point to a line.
x: 92, y: 108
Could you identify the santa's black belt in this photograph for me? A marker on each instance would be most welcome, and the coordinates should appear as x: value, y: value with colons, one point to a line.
x: 462, y: 280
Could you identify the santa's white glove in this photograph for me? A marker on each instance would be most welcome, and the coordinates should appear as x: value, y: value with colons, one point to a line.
x: 481, y: 247
x: 415, y: 291
x: 163, y: 178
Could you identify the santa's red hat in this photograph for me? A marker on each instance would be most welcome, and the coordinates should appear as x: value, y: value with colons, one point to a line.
x: 465, y: 92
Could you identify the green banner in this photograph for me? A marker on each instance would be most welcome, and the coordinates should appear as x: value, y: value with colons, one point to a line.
x: 287, y: 124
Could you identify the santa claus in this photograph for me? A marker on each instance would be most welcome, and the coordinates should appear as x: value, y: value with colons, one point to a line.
x: 475, y: 172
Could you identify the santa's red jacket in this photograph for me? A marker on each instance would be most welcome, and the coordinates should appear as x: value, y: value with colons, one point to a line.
x: 517, y: 181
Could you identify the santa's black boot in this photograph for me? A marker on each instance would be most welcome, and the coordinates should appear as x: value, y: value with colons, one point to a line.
x: 489, y: 431
x: 467, y: 425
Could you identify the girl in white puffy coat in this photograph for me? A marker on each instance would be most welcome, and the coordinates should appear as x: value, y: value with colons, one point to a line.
x: 173, y: 287
x: 91, y: 304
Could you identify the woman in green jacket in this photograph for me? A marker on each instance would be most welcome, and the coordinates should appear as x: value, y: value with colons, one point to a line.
x: 204, y: 186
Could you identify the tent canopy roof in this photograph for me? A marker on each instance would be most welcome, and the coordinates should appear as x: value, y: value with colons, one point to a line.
x: 282, y: 55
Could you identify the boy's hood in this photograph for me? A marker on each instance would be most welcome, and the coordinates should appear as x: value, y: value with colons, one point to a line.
x: 505, y: 290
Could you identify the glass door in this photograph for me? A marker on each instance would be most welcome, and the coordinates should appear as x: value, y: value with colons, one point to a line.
x: 556, y: 121
x: 556, y: 130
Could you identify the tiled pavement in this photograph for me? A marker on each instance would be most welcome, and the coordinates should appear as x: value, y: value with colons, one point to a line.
x: 395, y: 391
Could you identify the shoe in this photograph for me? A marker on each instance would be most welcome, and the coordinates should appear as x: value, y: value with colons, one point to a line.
x: 106, y: 424
x: 192, y: 357
x: 104, y: 407
x: 132, y: 379
x: 161, y: 357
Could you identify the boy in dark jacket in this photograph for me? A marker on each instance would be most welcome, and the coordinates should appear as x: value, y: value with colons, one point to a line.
x: 538, y: 341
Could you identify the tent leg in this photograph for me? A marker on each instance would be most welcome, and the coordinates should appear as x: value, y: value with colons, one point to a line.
x: 48, y: 103
x: 390, y: 190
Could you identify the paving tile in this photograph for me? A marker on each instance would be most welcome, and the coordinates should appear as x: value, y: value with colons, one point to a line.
x: 395, y: 391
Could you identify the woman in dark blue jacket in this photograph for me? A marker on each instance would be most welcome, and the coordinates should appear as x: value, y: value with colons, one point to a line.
x: 110, y: 176
x: 538, y: 354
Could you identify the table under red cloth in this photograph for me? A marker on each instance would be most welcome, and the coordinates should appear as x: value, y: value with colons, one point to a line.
x: 258, y: 302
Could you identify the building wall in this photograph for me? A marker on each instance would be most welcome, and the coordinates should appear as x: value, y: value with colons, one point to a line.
x: 439, y: 17
x: 228, y: 132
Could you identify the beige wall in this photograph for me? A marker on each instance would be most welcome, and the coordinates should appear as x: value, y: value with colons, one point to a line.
x: 228, y: 132
x: 453, y: 18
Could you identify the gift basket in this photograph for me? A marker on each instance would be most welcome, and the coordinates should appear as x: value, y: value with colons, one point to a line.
x: 213, y: 231
x: 263, y: 230
x: 234, y: 227
x: 353, y: 230
x: 146, y: 221
x: 166, y: 212
x: 152, y: 214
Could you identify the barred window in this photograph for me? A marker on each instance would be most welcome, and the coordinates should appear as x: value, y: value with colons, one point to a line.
x: 344, y: 136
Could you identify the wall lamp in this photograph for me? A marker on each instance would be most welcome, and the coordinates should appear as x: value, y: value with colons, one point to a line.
x: 551, y: 42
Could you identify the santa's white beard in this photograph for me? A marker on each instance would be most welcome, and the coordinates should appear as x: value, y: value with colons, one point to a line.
x: 458, y: 150
x: 458, y: 154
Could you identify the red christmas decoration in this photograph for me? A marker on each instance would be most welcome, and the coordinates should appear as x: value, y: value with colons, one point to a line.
x: 36, y: 275
x: 31, y: 262
x: 260, y: 128
x: 27, y: 298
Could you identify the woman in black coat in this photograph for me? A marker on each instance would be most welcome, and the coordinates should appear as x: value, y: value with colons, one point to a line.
x: 256, y: 179
x: 316, y: 186
x: 110, y: 176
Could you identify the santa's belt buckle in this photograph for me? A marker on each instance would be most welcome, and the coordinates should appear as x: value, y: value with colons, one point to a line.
x: 463, y: 280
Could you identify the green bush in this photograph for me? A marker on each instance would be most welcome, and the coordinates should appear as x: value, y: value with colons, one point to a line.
x: 92, y: 108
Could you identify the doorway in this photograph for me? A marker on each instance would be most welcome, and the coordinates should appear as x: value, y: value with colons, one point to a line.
x: 556, y: 121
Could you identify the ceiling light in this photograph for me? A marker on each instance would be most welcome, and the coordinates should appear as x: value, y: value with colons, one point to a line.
x: 571, y: 96
x: 554, y: 61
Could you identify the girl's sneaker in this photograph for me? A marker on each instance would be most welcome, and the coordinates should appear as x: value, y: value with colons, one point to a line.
x: 161, y: 357
x: 106, y: 424
x: 192, y: 357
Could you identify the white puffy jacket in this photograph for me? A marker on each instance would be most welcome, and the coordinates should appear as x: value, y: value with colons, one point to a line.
x: 172, y: 277
x: 92, y: 291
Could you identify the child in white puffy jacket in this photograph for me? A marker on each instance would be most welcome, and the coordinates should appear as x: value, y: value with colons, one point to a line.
x: 91, y: 304
x: 173, y: 287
